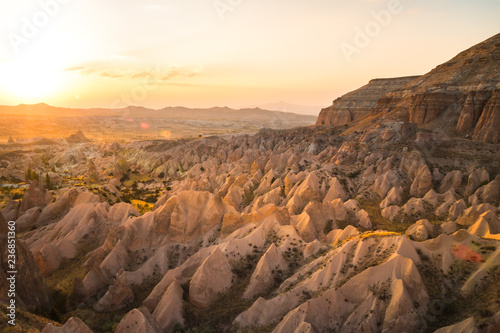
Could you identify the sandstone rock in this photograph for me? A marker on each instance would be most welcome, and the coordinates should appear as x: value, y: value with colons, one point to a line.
x: 168, y: 313
x: 308, y: 191
x: 421, y: 230
x: 391, y: 212
x: 120, y: 212
x: 264, y: 273
x: 394, y: 197
x: 73, y: 325
x: 428, y: 106
x: 491, y: 191
x: 336, y: 191
x: 118, y: 296
x: 213, y: 277
x: 487, y: 224
x: 467, y: 326
x: 422, y: 183
x: 358, y: 103
x: 192, y: 214
x: 476, y: 178
x: 364, y: 219
x: 11, y: 211
x: 488, y: 126
x: 414, y: 207
x: 472, y: 109
x: 28, y: 219
x: 36, y: 195
x: 457, y: 208
x: 452, y: 180
x: 449, y: 228
x: 138, y: 320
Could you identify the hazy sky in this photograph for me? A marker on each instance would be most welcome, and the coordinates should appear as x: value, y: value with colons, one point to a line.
x: 202, y: 53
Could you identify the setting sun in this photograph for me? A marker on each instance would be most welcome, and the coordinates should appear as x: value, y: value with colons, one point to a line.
x: 28, y: 80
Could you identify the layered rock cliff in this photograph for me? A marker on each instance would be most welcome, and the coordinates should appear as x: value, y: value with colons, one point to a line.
x: 460, y: 96
x: 360, y: 102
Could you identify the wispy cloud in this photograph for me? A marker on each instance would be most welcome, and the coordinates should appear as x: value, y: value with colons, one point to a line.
x: 161, y: 74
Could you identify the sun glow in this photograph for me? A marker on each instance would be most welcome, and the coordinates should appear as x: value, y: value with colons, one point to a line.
x: 29, y: 81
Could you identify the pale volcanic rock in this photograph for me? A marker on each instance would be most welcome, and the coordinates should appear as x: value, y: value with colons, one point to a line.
x: 266, y: 182
x: 118, y: 296
x: 432, y: 198
x: 332, y: 308
x: 59, y: 208
x: 471, y: 214
x: 336, y: 191
x: 309, y: 190
x: 476, y: 278
x: 11, y: 211
x: 491, y: 191
x: 449, y: 228
x: 394, y: 197
x: 12, y: 174
x: 414, y: 206
x: 457, y: 208
x: 211, y: 278
x: 364, y: 219
x: 339, y: 235
x: 340, y: 210
x: 422, y: 183
x: 73, y: 325
x: 391, y: 212
x: 411, y: 163
x: 36, y: 196
x: 138, y: 320
x: 487, y: 224
x: 82, y: 220
x: 467, y: 326
x: 476, y: 178
x: 312, y: 248
x: 169, y: 310
x: 120, y: 212
x: 263, y: 276
x: 181, y: 274
x: 194, y: 214
x: 28, y: 219
x: 421, y: 230
x: 452, y: 180
x: 384, y: 183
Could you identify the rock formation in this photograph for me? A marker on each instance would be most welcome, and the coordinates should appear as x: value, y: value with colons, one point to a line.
x: 359, y: 103
x: 461, y: 94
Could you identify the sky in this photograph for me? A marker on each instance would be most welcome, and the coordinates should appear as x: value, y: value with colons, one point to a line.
x: 236, y: 53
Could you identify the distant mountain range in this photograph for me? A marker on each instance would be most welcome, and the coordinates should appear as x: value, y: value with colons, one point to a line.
x: 287, y: 107
x: 178, y: 112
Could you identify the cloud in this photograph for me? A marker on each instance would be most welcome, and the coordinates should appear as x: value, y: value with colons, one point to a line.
x: 160, y: 74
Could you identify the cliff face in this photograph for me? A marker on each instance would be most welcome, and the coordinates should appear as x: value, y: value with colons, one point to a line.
x: 460, y: 95
x: 360, y: 102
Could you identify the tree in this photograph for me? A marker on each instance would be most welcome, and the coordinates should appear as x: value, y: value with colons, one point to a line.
x: 35, y: 176
x: 47, y: 180
x: 29, y: 174
x: 53, y: 168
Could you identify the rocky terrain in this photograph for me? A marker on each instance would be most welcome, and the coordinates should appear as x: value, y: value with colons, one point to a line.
x: 460, y: 97
x: 357, y: 104
x: 382, y: 227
